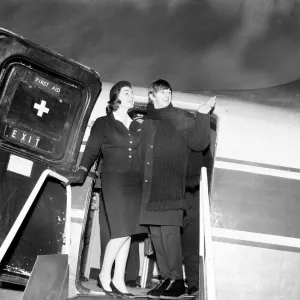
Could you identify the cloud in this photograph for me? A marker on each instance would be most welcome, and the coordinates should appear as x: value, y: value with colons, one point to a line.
x: 207, y: 44
x: 262, y: 51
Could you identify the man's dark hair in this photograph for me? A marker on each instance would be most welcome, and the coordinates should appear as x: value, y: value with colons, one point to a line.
x: 158, y: 85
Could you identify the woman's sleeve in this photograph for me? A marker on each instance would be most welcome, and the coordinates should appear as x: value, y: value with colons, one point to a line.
x: 93, y: 145
x: 197, y: 137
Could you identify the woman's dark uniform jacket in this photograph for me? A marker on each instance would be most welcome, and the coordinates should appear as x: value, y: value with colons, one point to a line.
x: 196, y: 139
x: 121, y: 181
x: 117, y: 144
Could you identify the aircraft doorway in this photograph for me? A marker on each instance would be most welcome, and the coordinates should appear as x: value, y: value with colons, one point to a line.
x: 96, y: 231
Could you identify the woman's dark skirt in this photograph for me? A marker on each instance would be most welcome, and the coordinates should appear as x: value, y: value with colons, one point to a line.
x: 122, y: 195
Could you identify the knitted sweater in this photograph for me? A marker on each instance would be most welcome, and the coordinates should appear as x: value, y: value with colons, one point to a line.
x: 175, y: 137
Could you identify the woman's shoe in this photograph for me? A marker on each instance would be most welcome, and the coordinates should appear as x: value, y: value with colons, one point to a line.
x: 119, y: 293
x: 108, y: 293
x: 99, y: 284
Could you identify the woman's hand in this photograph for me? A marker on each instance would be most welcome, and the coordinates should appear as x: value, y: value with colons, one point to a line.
x: 77, y: 178
x: 207, y: 105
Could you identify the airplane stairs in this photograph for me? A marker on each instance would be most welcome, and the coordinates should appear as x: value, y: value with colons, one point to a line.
x: 206, y: 268
x: 50, y: 275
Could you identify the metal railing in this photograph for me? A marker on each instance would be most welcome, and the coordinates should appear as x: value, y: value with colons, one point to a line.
x: 207, y: 287
x: 14, y: 229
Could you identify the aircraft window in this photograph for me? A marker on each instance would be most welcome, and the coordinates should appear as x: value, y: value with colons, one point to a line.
x: 48, y: 116
x: 255, y: 203
x: 37, y: 110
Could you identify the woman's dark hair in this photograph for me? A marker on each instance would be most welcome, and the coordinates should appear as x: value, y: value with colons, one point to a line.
x: 157, y: 86
x: 114, y: 101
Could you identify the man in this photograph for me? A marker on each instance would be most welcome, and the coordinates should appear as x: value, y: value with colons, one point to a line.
x: 169, y: 136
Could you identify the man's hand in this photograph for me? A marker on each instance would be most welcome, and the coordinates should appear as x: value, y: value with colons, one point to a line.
x: 77, y: 178
x: 207, y: 105
x: 139, y: 118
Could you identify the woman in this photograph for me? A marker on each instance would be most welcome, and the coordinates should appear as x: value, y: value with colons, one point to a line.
x: 116, y: 136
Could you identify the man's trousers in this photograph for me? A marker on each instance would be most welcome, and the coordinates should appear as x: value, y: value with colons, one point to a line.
x: 167, y: 245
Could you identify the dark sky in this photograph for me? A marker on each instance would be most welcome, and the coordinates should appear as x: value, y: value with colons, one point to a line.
x: 195, y: 44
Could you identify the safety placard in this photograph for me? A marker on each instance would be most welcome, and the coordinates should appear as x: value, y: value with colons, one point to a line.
x: 23, y: 136
x: 20, y: 165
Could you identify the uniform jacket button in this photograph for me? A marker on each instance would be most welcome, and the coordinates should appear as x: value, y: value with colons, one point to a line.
x: 148, y: 163
x: 129, y: 156
x: 147, y: 180
x: 151, y: 146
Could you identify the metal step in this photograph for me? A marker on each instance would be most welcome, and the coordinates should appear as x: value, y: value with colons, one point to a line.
x: 49, y: 278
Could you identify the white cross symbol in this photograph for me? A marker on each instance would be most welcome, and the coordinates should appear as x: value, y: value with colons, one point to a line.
x: 41, y: 108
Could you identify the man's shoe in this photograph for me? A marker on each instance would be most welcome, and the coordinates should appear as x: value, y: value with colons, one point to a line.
x: 174, y: 290
x: 133, y: 283
x: 159, y: 289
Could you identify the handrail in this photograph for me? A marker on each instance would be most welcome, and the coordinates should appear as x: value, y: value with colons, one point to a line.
x: 205, y: 240
x: 13, y: 231
x: 144, y: 271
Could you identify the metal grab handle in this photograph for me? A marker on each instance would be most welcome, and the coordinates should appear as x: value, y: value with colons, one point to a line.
x: 13, y: 231
x: 145, y: 272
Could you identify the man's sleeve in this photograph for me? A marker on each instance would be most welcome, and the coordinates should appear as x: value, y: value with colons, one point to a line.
x: 197, y: 137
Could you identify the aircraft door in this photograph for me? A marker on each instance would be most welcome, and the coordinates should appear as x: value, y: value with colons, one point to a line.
x: 45, y: 103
